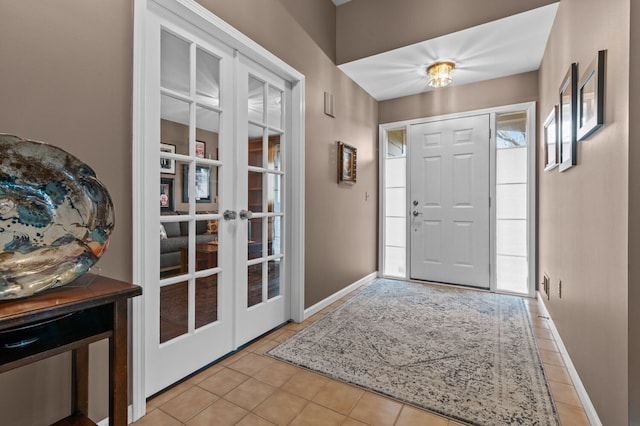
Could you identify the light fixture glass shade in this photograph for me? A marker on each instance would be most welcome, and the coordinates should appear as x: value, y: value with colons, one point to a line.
x: 440, y: 74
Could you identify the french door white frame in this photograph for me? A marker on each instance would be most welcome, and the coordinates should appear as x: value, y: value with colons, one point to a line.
x: 530, y: 108
x: 199, y: 16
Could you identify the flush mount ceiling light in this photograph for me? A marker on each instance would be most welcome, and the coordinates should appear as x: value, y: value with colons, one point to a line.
x: 440, y: 74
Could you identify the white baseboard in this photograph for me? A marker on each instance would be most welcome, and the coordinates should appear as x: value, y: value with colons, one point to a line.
x: 339, y: 294
x: 589, y: 409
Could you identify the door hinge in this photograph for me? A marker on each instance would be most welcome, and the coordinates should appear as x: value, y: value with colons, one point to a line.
x: 489, y: 202
x: 489, y: 132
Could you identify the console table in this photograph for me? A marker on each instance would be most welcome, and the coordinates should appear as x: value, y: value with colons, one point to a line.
x: 69, y: 318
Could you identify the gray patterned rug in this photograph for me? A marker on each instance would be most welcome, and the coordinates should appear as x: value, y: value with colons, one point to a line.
x: 467, y: 355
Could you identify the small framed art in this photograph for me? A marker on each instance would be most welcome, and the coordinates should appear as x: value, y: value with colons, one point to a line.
x: 203, y: 184
x: 591, y: 97
x: 167, y: 165
x: 347, y: 163
x: 567, y: 113
x: 200, y: 149
x: 551, y: 139
x: 166, y: 194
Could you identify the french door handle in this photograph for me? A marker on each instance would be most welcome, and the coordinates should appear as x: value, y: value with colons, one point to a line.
x: 229, y: 215
x: 245, y: 214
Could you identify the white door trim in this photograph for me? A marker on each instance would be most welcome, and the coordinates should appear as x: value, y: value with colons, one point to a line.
x: 530, y: 107
x: 197, y: 15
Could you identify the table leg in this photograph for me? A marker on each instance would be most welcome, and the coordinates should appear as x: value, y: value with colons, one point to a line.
x: 80, y: 366
x: 118, y: 366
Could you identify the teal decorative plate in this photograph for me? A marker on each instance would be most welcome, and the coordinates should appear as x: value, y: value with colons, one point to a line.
x: 55, y: 217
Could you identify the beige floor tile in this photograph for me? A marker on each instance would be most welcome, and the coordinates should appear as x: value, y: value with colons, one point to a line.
x: 233, y: 358
x: 250, y: 394
x: 338, y: 396
x: 547, y: 345
x: 284, y: 336
x: 454, y: 423
x: 552, y: 358
x: 205, y: 374
x: 157, y: 418
x: 352, y: 422
x: 281, y: 407
x: 170, y: 394
x: 277, y: 374
x: 265, y: 346
x: 564, y: 393
x: 189, y: 403
x: 541, y: 323
x: 542, y: 333
x: 410, y: 416
x: 223, y: 381
x: 251, y: 364
x: 557, y: 374
x: 571, y: 415
x: 305, y: 384
x: 376, y: 410
x: 220, y: 413
x: 316, y: 415
x: 253, y: 420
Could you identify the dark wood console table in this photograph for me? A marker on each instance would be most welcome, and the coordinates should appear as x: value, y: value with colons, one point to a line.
x: 69, y: 318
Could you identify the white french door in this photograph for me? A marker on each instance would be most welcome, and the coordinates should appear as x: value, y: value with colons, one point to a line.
x: 216, y: 132
x: 262, y: 301
x: 449, y: 218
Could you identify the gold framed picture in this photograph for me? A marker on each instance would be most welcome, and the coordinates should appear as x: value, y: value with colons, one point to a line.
x: 347, y: 163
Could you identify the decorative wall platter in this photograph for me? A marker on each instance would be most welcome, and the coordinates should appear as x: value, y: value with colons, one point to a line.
x: 55, y: 217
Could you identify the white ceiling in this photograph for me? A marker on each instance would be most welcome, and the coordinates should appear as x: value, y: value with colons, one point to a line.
x: 500, y: 48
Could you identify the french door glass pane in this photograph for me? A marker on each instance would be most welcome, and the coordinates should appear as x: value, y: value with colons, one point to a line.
x: 206, y: 300
x: 174, y: 311
x: 254, y: 284
x: 174, y: 250
x: 274, y: 194
x: 274, y: 160
x: 174, y: 63
x: 254, y: 147
x: 254, y: 245
x: 207, y: 77
x: 174, y: 123
x: 275, y: 108
x: 256, y: 100
x: 275, y: 235
x: 255, y: 192
x: 206, y: 246
x: 207, y: 189
x: 273, y: 289
x: 207, y: 132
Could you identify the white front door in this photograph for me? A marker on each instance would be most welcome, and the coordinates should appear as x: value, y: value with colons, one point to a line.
x: 449, y: 203
x: 216, y: 133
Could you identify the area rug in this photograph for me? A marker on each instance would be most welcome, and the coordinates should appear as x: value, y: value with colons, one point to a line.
x: 467, y: 355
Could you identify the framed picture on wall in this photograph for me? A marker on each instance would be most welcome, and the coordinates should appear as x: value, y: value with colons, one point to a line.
x: 200, y: 149
x: 347, y: 163
x: 167, y: 165
x: 591, y: 97
x: 551, y: 139
x: 167, y: 201
x: 567, y: 117
x: 203, y: 184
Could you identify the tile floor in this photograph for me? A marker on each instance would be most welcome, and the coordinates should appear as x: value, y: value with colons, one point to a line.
x: 250, y: 388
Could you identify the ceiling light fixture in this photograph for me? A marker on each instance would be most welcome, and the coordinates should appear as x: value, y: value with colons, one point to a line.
x: 440, y: 74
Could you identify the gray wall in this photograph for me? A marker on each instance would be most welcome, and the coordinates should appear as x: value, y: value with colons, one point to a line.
x: 367, y: 27
x: 485, y: 94
x: 583, y: 213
